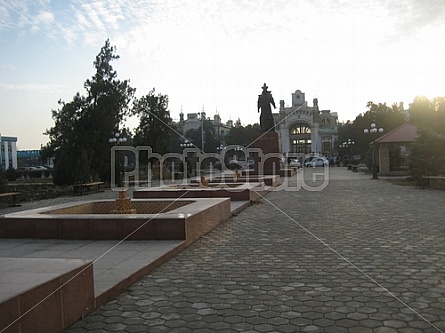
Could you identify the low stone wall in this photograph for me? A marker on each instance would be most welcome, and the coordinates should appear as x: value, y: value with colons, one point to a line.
x: 38, y: 191
x: 437, y: 182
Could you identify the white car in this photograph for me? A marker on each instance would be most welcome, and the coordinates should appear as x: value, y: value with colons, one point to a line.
x: 295, y: 162
x: 316, y: 162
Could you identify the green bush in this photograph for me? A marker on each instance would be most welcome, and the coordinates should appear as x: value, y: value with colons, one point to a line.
x: 427, y: 155
x: 3, y: 180
x: 10, y: 174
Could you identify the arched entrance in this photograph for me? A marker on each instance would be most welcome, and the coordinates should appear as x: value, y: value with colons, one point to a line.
x: 300, y: 138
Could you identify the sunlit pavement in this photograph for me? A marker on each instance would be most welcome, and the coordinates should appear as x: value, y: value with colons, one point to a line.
x: 350, y: 254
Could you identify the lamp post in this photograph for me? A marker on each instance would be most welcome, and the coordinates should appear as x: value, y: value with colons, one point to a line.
x: 373, y: 130
x: 188, y: 158
x: 202, y: 132
x: 186, y: 144
x: 117, y: 140
x: 202, y: 115
x: 346, y: 145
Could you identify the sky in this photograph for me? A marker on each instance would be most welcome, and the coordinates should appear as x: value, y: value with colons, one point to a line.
x: 216, y: 55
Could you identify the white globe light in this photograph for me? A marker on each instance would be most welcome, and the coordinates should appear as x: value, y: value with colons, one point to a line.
x: 366, y: 131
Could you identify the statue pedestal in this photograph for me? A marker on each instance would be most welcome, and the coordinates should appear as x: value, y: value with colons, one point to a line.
x: 268, y: 162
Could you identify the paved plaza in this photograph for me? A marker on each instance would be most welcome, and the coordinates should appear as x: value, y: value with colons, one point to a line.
x: 351, y: 255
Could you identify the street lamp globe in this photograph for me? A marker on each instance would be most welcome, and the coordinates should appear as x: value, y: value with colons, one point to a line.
x: 374, y: 129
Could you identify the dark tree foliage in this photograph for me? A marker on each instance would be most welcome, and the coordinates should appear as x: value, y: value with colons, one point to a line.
x: 79, y: 137
x: 155, y: 124
x: 10, y: 174
x: 382, y: 115
x: 243, y: 136
x: 3, y: 181
x: 429, y: 113
x: 175, y: 139
x: 194, y: 137
x: 210, y: 135
x: 211, y: 140
x: 427, y: 155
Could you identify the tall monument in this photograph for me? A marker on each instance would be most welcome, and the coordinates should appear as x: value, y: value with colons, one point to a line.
x: 268, y: 161
x: 265, y: 101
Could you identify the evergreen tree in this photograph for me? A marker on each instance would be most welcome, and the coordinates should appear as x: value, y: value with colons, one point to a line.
x: 384, y: 116
x: 428, y: 113
x: 243, y: 136
x: 79, y: 137
x: 155, y: 123
x: 3, y: 180
x: 427, y: 155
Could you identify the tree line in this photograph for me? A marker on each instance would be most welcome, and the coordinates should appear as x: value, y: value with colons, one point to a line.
x: 79, y: 139
x: 426, y: 154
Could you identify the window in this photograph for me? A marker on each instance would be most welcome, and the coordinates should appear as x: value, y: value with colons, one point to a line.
x: 300, y: 129
x: 301, y: 146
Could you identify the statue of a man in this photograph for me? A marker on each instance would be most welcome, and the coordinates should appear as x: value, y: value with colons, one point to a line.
x: 264, y: 101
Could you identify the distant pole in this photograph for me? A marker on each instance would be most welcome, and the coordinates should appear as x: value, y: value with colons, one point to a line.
x: 202, y: 132
x: 374, y: 129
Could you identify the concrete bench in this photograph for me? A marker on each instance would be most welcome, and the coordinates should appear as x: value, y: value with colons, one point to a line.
x: 81, y: 187
x: 13, y: 195
x: 435, y: 181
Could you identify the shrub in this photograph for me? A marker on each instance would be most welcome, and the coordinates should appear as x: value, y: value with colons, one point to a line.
x: 10, y: 174
x: 3, y: 180
x: 427, y: 155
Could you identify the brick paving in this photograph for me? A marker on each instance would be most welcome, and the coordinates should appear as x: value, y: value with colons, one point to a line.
x: 361, y: 255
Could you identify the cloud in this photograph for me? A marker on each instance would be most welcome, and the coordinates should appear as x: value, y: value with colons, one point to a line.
x: 72, y: 21
x: 412, y: 16
x: 11, y: 67
x: 44, y: 17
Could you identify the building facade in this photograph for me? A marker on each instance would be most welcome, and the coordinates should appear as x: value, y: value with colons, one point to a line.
x: 304, y: 129
x: 28, y: 158
x: 194, y: 121
x: 8, y: 152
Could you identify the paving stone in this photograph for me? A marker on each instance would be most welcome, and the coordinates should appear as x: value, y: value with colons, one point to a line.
x: 303, y: 261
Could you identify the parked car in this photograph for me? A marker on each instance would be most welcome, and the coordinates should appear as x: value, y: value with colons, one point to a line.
x: 307, y: 160
x: 316, y: 162
x: 236, y: 165
x: 295, y: 162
